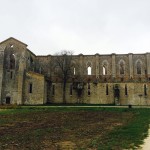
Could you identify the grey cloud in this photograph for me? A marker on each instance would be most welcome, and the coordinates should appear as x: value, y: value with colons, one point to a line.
x: 85, y: 26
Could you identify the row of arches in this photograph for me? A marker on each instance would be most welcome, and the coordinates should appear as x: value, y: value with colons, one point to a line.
x: 105, y: 67
x: 121, y: 67
x: 11, y: 61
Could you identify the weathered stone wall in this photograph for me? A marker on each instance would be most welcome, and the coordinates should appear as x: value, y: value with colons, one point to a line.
x: 16, y: 58
x: 19, y: 67
x: 36, y: 93
x: 1, y: 71
x: 13, y: 53
x: 130, y: 79
x: 135, y: 94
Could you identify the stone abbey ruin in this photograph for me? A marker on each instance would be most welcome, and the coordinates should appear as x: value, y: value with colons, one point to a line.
x: 119, y: 79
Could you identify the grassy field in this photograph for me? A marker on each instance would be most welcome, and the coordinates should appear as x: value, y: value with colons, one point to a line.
x: 81, y: 128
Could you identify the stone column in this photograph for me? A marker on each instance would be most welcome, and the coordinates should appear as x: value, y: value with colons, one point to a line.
x: 81, y: 71
x: 148, y: 64
x: 21, y: 74
x: 1, y: 71
x: 97, y: 66
x: 49, y: 66
x: 130, y: 65
x: 113, y: 65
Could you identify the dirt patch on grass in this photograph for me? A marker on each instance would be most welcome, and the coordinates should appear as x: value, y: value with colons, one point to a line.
x: 57, y: 130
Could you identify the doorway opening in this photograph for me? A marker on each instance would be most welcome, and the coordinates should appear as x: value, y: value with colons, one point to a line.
x: 7, y: 100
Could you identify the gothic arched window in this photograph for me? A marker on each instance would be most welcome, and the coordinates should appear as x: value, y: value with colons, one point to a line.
x: 104, y: 70
x: 89, y: 69
x: 105, y: 67
x: 74, y: 71
x: 12, y: 61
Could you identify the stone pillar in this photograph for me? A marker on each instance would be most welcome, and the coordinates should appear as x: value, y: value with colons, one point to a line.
x: 21, y: 74
x: 130, y: 65
x: 97, y: 65
x: 148, y: 64
x: 1, y: 70
x: 81, y: 71
x: 50, y: 66
x: 113, y: 65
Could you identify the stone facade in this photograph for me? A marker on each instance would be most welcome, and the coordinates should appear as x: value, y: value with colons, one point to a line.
x: 119, y: 79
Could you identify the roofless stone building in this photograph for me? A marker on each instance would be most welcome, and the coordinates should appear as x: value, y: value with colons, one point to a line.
x: 119, y: 79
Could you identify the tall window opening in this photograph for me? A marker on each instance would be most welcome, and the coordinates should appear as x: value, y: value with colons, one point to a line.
x: 53, y: 89
x: 30, y: 88
x: 105, y: 67
x: 145, y: 90
x: 126, y: 90
x: 106, y: 89
x: 74, y: 71
x: 89, y: 70
x: 89, y: 92
x: 104, y: 70
x: 70, y: 89
x: 139, y: 67
x: 12, y: 61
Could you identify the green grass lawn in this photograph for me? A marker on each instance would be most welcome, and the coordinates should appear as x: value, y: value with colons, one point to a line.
x: 37, y: 127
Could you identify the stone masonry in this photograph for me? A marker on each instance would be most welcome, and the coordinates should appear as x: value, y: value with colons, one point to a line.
x: 119, y: 79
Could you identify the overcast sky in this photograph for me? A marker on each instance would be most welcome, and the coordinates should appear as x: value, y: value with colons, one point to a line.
x: 83, y: 26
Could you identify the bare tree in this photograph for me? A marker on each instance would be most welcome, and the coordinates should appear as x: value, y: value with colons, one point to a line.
x: 63, y: 62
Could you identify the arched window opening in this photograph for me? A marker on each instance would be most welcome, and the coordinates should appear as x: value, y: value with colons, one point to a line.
x: 121, y: 68
x: 139, y: 67
x: 89, y: 70
x: 12, y: 46
x: 104, y: 70
x: 12, y: 61
x: 105, y: 67
x: 74, y: 71
x: 145, y: 90
x: 126, y: 90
